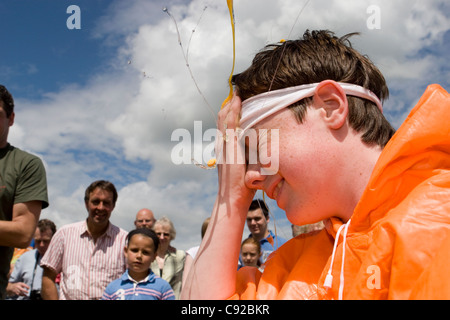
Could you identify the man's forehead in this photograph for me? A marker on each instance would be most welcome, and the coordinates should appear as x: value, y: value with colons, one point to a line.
x: 254, y: 213
x: 100, y: 193
x: 41, y: 234
x: 145, y: 214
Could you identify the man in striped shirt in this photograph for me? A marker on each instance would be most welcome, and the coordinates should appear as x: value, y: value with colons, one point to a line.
x: 88, y: 254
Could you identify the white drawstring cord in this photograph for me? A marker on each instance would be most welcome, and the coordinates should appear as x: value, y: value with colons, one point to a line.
x: 341, y: 283
x: 329, y: 278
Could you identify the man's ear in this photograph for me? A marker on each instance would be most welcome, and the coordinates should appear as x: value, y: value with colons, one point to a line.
x: 11, y: 119
x: 330, y: 96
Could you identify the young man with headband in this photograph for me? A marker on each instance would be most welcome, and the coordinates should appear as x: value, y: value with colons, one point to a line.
x: 384, y: 196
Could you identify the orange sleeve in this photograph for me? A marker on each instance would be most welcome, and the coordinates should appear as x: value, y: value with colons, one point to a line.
x: 247, y: 281
x: 291, y: 272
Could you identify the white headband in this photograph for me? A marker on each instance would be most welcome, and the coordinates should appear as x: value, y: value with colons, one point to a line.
x: 265, y: 104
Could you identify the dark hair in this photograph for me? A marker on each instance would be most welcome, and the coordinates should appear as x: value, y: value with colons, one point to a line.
x: 316, y: 57
x: 102, y: 184
x: 45, y: 224
x: 259, y: 204
x: 7, y: 99
x: 146, y: 232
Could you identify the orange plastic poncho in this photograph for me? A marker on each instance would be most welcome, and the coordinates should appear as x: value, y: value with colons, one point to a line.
x: 398, y: 241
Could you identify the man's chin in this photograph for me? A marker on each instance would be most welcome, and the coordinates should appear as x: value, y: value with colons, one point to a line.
x: 100, y: 219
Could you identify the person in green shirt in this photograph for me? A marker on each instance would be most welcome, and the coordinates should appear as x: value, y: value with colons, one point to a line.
x: 23, y: 192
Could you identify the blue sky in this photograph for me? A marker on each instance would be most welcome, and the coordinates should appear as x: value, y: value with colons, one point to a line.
x: 102, y: 101
x: 42, y: 54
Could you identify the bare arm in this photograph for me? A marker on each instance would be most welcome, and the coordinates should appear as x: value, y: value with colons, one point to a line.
x: 187, y: 267
x: 213, y: 272
x: 17, y: 289
x: 20, y: 230
x: 48, y: 289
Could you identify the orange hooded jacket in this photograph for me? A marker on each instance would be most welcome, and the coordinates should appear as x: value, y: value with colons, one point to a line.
x: 397, y: 243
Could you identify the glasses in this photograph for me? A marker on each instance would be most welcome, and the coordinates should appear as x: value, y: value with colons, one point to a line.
x: 166, y: 235
x: 145, y: 221
x: 44, y: 241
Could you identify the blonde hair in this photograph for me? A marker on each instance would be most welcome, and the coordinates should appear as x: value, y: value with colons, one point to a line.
x: 166, y: 221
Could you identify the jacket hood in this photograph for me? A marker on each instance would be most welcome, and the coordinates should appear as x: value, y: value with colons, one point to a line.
x: 403, y: 214
x: 417, y: 152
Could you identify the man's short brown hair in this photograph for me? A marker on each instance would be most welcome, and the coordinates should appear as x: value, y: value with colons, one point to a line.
x: 7, y: 99
x: 316, y: 57
x: 104, y: 185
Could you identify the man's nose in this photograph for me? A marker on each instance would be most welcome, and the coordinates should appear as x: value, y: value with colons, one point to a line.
x: 253, y: 178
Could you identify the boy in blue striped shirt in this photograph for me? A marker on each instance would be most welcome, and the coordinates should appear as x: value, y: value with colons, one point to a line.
x: 139, y: 282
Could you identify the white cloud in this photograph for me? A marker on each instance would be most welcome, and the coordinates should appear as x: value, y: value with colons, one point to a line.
x: 119, y: 124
